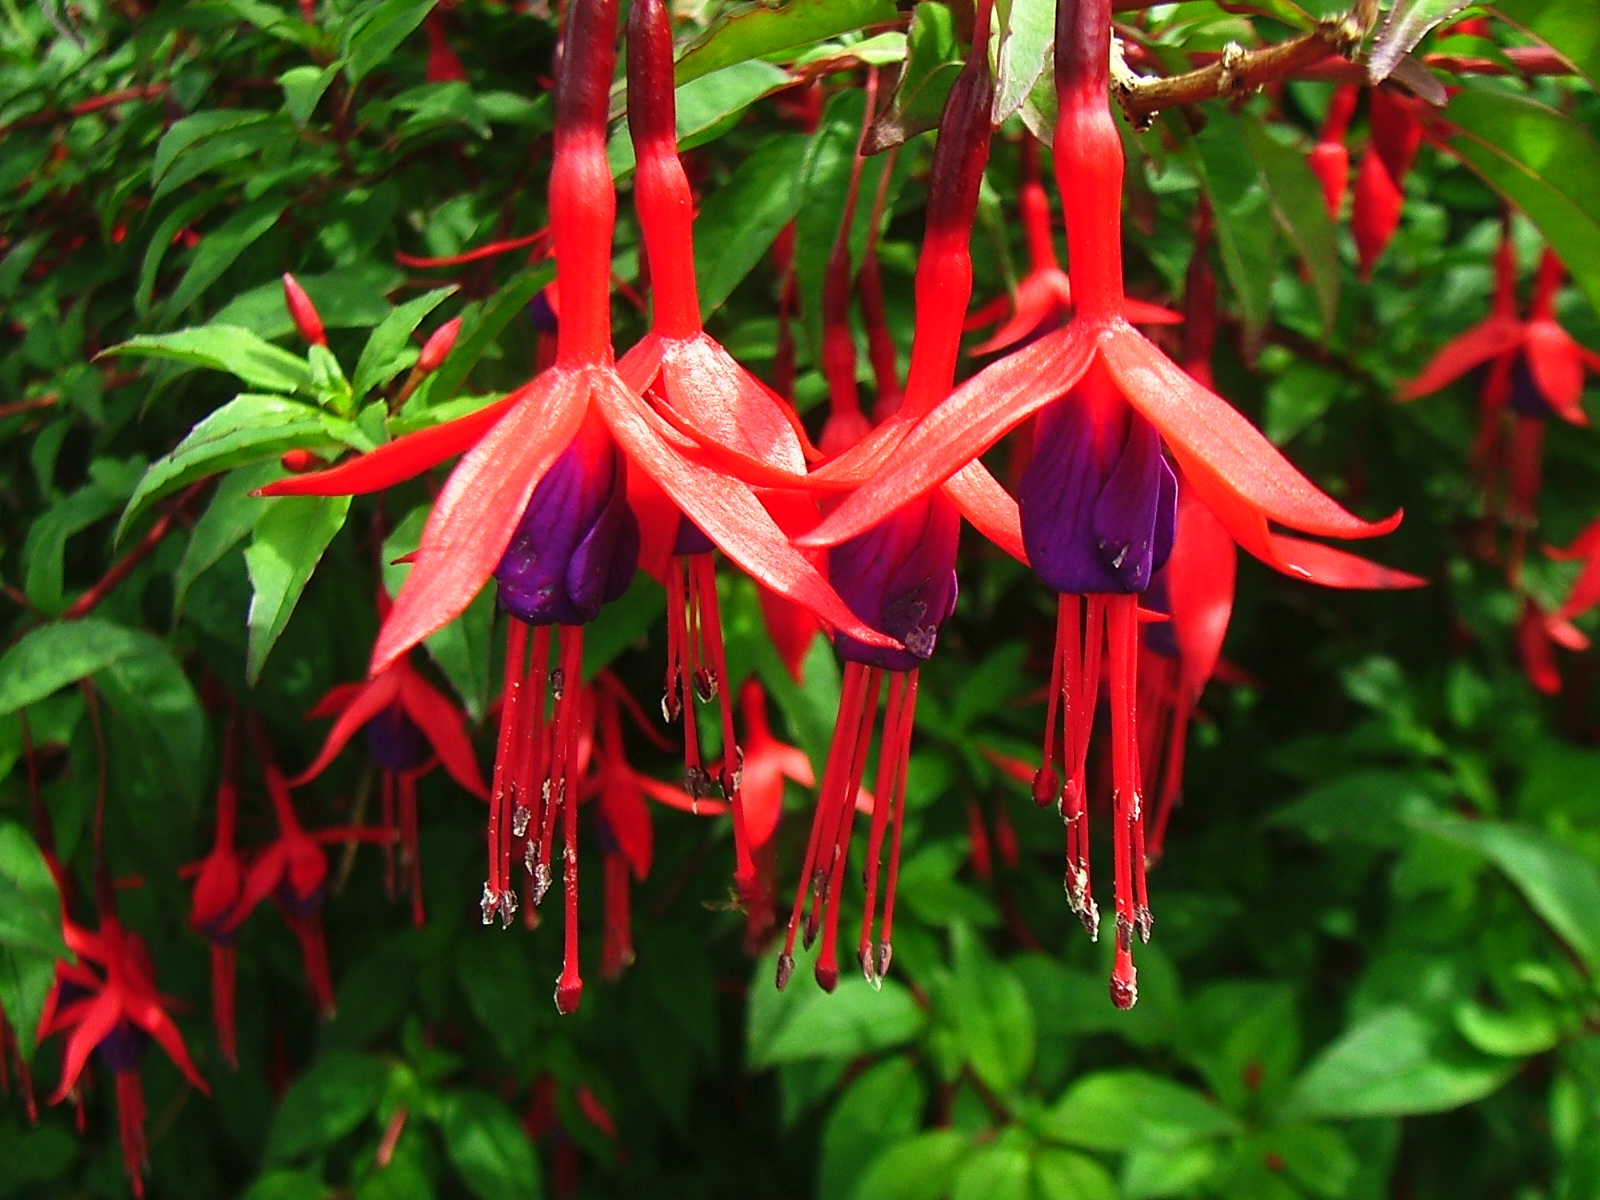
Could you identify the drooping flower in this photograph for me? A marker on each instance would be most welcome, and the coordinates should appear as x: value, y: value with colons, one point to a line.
x: 291, y: 870
x: 107, y: 1005
x: 539, y: 500
x: 405, y: 718
x: 1533, y: 370
x: 1099, y: 498
x: 1330, y: 157
x: 218, y: 884
x: 898, y: 576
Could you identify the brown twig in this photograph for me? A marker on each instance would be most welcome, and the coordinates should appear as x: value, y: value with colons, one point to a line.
x: 123, y: 567
x: 1237, y: 72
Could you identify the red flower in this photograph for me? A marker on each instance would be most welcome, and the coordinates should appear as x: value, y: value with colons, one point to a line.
x: 1534, y: 369
x: 292, y: 870
x: 404, y: 717
x: 1101, y: 496
x: 539, y: 498
x: 107, y: 1003
x: 218, y: 884
x: 898, y: 576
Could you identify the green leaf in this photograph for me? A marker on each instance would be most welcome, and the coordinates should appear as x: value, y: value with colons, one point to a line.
x: 152, y: 695
x: 1316, y: 1157
x: 997, y: 1170
x: 287, y: 1185
x: 1408, y: 22
x: 1063, y: 1175
x: 1544, y: 163
x: 1520, y: 1033
x: 803, y: 1021
x: 289, y: 542
x: 740, y: 220
x: 52, y: 656
x: 707, y: 107
x: 43, y: 554
x: 932, y: 64
x: 1239, y: 207
x: 30, y: 933
x: 884, y: 1104
x: 228, y: 519
x: 1027, y: 43
x: 303, y: 88
x: 919, y: 1168
x: 195, y: 144
x: 225, y: 348
x: 25, y: 983
x: 497, y: 981
x: 480, y: 329
x: 488, y: 1148
x: 220, y: 248
x: 335, y: 1095
x: 1297, y: 201
x: 371, y: 38
x: 352, y: 297
x: 388, y: 351
x: 30, y: 905
x: 161, y: 241
x: 1121, y: 1110
x: 1561, y: 886
x: 761, y: 31
x: 1393, y: 1063
x: 248, y: 428
x: 1568, y: 26
x: 994, y: 1020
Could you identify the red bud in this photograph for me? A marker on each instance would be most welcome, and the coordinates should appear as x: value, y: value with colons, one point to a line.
x: 303, y: 311
x: 299, y: 461
x: 437, y: 348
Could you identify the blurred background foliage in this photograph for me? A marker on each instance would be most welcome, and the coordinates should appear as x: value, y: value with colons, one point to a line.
x: 1378, y: 915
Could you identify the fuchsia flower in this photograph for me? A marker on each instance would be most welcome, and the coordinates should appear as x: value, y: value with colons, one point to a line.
x: 899, y: 575
x: 292, y: 870
x: 540, y: 499
x: 218, y: 884
x: 107, y: 1004
x: 1330, y: 157
x: 1533, y: 368
x: 1098, y: 503
x: 404, y: 718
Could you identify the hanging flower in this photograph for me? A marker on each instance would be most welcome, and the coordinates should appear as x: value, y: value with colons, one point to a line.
x: 539, y: 500
x: 1533, y: 370
x: 218, y: 884
x: 107, y: 1005
x: 899, y: 575
x: 404, y: 717
x: 1098, y: 504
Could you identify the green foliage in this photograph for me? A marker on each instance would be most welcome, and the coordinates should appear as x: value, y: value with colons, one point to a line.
x: 1377, y: 917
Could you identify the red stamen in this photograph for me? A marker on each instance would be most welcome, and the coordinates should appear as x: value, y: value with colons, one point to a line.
x: 224, y: 959
x: 569, y: 989
x: 616, y: 953
x: 130, y: 1123
x: 410, y: 855
x: 844, y: 810
x: 498, y: 899
x: 850, y: 707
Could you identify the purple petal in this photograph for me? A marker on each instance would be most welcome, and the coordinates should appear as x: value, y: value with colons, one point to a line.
x: 577, y: 543
x: 900, y: 578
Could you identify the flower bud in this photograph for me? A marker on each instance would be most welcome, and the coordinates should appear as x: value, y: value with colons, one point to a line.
x: 437, y: 348
x: 303, y: 312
